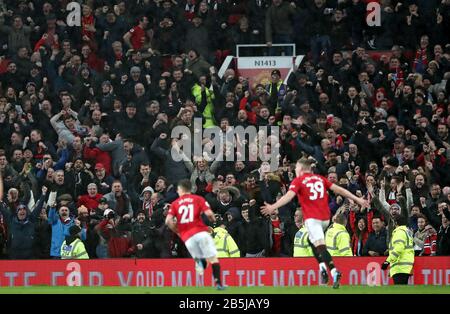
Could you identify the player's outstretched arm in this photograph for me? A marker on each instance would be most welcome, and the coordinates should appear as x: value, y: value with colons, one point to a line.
x: 345, y: 193
x: 268, y: 209
x: 210, y: 214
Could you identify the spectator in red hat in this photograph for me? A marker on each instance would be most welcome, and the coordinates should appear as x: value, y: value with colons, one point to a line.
x: 99, y: 166
x: 103, y: 181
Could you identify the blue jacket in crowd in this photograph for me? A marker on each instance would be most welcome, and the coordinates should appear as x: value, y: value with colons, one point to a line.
x: 59, y: 231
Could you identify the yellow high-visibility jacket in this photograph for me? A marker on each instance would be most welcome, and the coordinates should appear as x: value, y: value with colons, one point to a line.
x: 301, y: 244
x: 208, y: 112
x: 74, y: 250
x: 225, y: 245
x: 401, y: 251
x: 337, y: 240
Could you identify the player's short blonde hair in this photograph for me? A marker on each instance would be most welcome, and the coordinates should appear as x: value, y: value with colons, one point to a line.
x: 305, y: 163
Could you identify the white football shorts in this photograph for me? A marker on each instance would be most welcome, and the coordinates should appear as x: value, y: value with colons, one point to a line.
x: 201, y: 245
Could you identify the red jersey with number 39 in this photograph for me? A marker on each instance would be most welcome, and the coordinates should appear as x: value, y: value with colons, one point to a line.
x: 311, y: 190
x: 188, y: 209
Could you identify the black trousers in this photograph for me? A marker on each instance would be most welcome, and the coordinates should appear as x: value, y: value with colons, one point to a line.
x: 401, y: 279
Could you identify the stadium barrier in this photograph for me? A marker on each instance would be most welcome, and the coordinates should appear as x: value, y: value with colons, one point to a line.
x: 235, y: 272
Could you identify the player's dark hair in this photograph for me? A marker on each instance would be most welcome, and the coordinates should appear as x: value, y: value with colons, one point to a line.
x: 185, y: 185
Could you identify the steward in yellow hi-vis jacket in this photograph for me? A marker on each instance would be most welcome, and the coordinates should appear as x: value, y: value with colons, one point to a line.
x: 204, y: 99
x: 73, y: 247
x: 401, y: 253
x: 302, y: 248
x: 225, y: 244
x: 337, y: 238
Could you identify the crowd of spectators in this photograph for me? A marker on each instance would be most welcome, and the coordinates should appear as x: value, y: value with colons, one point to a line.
x: 86, y: 115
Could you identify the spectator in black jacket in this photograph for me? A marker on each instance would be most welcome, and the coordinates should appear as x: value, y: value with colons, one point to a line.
x: 21, y: 229
x: 79, y: 178
x: 138, y: 157
x: 43, y: 236
x: 127, y: 123
x: 255, y: 241
x: 281, y: 235
x: 443, y: 237
x: 227, y: 198
x: 61, y: 185
x: 233, y: 224
x: 319, y: 27
x: 144, y: 237
x: 146, y: 177
x: 21, y: 234
x: 167, y: 191
x: 376, y: 244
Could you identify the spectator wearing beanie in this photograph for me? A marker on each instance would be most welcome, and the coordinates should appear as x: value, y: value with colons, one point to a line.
x: 103, y: 182
x: 144, y: 237
x: 21, y: 230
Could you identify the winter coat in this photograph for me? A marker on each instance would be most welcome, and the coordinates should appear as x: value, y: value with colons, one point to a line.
x: 21, y: 239
x: 89, y: 202
x: 17, y: 38
x: 98, y: 156
x: 376, y: 242
x: 174, y: 171
x: 117, y: 152
x: 119, y: 241
x: 138, y: 157
x: 443, y: 241
x: 198, y: 67
x: 59, y: 231
x: 112, y: 203
x: 204, y: 100
x: 145, y: 234
x: 21, y: 234
x: 279, y: 20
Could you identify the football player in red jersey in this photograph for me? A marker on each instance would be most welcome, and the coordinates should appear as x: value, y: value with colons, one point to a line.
x: 188, y: 224
x: 311, y: 190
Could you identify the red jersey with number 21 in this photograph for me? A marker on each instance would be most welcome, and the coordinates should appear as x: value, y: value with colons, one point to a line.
x: 188, y: 209
x: 311, y: 190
